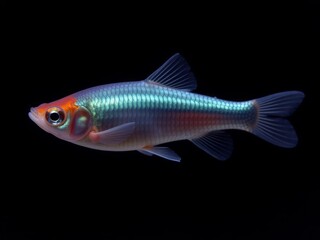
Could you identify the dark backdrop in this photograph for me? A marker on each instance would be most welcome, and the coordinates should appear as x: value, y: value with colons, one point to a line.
x: 51, y: 189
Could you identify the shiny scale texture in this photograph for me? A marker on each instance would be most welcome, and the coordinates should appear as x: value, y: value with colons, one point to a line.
x: 162, y: 114
x: 141, y: 115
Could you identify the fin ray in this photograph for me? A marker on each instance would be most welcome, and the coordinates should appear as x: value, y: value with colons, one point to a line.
x: 163, y: 152
x: 174, y: 73
x: 218, y: 144
x: 115, y: 135
x: 271, y: 124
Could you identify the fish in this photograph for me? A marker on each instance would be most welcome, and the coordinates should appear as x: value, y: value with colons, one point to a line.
x: 143, y: 115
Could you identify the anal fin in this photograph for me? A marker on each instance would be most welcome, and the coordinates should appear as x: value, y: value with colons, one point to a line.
x: 218, y: 144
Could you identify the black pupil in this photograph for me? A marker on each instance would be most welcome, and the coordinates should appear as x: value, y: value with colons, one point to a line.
x: 54, y: 117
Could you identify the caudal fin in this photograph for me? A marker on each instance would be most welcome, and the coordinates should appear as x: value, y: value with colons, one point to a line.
x: 271, y: 124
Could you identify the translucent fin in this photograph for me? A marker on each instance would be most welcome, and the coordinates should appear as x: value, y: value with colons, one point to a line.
x: 270, y: 125
x: 113, y: 136
x: 218, y: 144
x: 163, y: 152
x: 145, y: 153
x: 174, y: 73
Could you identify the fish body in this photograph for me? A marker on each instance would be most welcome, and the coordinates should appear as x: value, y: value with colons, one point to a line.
x: 144, y: 114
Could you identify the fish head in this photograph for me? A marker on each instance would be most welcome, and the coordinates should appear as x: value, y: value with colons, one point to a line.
x: 63, y: 118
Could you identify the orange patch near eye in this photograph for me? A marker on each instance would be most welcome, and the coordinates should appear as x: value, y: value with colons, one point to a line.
x: 66, y: 103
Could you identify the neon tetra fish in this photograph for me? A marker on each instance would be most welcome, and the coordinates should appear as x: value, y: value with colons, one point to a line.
x: 144, y: 114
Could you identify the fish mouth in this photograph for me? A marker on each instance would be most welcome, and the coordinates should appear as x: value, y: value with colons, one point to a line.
x: 36, y: 118
x: 33, y: 115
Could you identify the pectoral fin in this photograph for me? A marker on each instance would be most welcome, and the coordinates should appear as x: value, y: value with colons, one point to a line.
x: 163, y: 152
x: 113, y: 136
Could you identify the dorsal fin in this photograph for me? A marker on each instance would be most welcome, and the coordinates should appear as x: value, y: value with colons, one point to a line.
x: 174, y: 73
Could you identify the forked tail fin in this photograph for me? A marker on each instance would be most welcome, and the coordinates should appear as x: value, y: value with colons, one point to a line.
x: 271, y: 124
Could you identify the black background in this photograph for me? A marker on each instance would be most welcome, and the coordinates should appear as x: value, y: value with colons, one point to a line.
x: 51, y: 189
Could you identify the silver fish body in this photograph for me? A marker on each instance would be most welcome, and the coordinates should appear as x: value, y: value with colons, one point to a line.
x: 144, y: 114
x: 162, y: 114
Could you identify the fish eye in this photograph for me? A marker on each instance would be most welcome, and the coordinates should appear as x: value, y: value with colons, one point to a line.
x: 55, y: 116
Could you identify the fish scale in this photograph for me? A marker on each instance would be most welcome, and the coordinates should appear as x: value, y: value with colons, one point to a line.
x: 144, y: 114
x: 169, y: 114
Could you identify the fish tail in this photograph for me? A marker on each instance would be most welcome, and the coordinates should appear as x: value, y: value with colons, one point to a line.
x: 271, y: 123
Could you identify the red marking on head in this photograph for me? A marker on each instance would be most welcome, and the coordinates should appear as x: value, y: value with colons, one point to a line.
x: 66, y: 103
